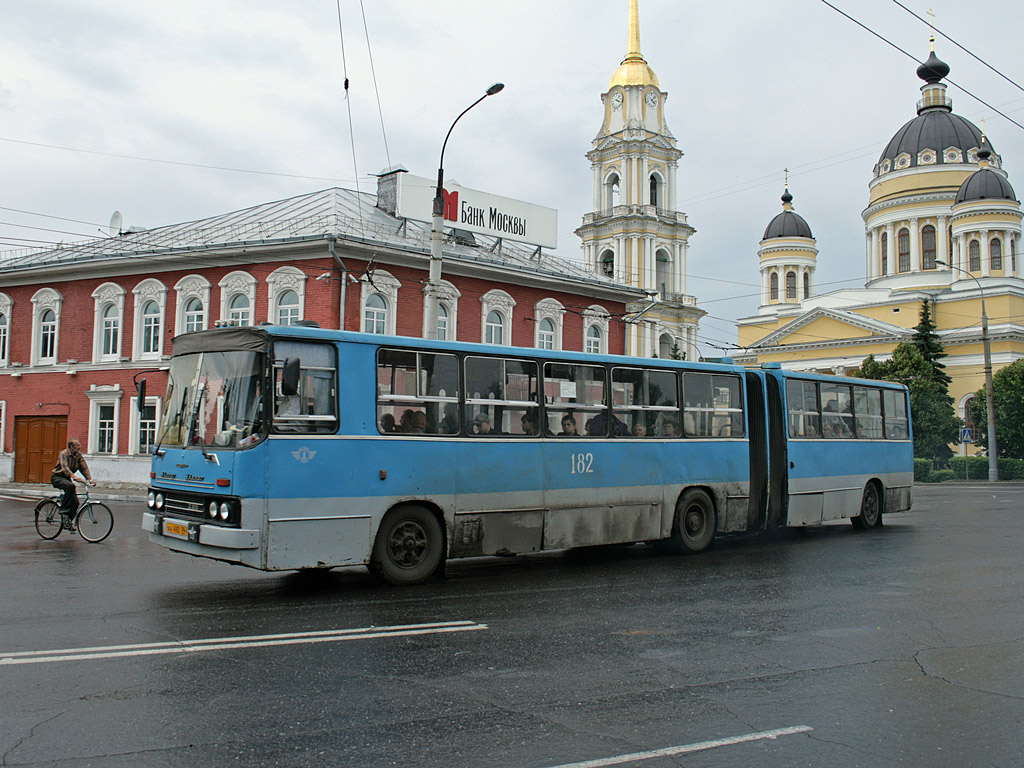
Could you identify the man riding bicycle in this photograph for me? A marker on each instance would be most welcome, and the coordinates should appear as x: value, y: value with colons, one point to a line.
x: 70, y: 461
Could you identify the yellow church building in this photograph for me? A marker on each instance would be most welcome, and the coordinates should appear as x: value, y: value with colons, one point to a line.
x: 942, y: 224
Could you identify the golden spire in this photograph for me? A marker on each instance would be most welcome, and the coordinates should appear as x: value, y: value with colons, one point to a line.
x: 634, y: 70
x: 931, y: 26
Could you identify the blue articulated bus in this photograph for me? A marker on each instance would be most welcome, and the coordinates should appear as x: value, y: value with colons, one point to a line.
x: 295, y: 447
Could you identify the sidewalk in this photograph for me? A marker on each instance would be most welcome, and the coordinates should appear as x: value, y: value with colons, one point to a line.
x: 35, y: 491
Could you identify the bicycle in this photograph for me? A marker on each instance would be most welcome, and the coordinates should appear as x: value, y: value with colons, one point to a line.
x: 94, y: 519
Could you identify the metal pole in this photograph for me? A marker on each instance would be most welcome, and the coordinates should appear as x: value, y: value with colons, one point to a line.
x: 990, y: 405
x: 433, y: 287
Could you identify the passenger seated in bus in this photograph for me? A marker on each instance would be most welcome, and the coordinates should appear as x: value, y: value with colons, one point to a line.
x: 482, y: 425
x: 598, y: 426
x: 639, y: 429
x: 387, y: 423
x: 419, y: 422
x: 568, y: 427
x: 668, y: 429
x: 810, y: 431
x: 529, y: 423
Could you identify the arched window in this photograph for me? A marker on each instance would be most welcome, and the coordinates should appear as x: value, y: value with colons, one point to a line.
x: 791, y: 285
x: 593, y: 340
x: 546, y: 334
x: 611, y: 192
x: 774, y: 290
x: 885, y: 253
x: 47, y: 336
x: 3, y: 339
x: 663, y: 269
x: 110, y: 342
x: 287, y: 308
x: 494, y: 328
x: 150, y: 328
x: 654, y: 190
x: 442, y: 322
x: 375, y: 315
x: 238, y: 309
x: 608, y: 264
x: 807, y: 285
x: 974, y: 256
x: 928, y: 247
x: 665, y: 344
x: 194, y: 315
x: 995, y: 253
x: 903, y: 243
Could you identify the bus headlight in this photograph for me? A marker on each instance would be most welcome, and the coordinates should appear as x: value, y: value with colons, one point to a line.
x: 212, y: 509
x: 151, y: 500
x: 225, y: 510
x: 159, y: 501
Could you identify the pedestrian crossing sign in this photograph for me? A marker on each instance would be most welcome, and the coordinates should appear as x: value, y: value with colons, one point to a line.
x: 966, y: 435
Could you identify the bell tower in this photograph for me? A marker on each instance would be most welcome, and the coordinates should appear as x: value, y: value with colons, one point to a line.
x: 635, y: 235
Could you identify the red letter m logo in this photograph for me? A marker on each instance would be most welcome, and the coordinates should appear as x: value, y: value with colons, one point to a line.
x: 451, y: 205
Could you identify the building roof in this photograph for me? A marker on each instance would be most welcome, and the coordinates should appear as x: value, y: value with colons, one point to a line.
x: 788, y: 223
x: 340, y: 213
x: 984, y: 184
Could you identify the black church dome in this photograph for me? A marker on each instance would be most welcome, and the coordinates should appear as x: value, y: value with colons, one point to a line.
x: 984, y: 184
x: 787, y: 223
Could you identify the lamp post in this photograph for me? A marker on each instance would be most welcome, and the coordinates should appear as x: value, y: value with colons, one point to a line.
x: 990, y: 405
x: 437, y: 229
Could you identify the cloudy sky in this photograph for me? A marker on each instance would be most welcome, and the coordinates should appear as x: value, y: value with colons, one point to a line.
x: 170, y: 112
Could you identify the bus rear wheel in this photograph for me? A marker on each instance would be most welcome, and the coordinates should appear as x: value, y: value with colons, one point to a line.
x: 694, y: 525
x: 870, y: 509
x: 408, y: 546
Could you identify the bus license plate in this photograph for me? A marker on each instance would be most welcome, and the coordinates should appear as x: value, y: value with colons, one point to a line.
x: 175, y: 529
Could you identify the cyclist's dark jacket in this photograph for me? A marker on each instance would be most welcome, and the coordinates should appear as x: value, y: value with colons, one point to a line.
x: 68, y: 463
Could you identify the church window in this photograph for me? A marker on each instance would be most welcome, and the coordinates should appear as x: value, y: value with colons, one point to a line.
x: 656, y: 189
x: 807, y: 285
x: 885, y: 252
x: 791, y: 285
x: 611, y: 192
x: 663, y: 266
x: 995, y: 253
x: 974, y: 256
x: 774, y: 280
x: 608, y: 264
x: 903, y: 243
x: 928, y: 247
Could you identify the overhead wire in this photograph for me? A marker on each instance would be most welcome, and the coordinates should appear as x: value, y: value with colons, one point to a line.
x: 348, y: 106
x: 376, y: 90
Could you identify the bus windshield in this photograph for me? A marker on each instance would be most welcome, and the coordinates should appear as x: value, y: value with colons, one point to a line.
x: 213, y: 399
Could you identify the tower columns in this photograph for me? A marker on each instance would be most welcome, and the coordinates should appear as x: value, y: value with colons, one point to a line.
x: 986, y: 253
x: 915, y: 244
x: 942, y: 241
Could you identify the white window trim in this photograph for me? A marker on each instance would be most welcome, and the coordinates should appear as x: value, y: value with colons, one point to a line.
x: 448, y: 297
x: 235, y: 283
x: 281, y: 280
x: 597, y: 315
x: 387, y: 285
x: 3, y: 423
x: 104, y: 394
x: 42, y: 300
x: 6, y: 304
x: 108, y: 293
x: 497, y: 301
x: 552, y: 310
x: 149, y: 290
x: 135, y: 422
x: 191, y: 287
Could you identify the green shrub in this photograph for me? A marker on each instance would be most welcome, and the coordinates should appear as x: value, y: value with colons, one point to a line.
x: 941, y: 476
x: 922, y: 468
x: 1011, y: 469
x: 977, y: 467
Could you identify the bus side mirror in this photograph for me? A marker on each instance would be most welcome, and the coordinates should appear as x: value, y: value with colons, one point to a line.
x: 141, y: 403
x: 290, y: 377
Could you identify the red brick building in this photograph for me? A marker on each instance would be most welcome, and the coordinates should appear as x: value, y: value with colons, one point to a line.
x: 79, y: 321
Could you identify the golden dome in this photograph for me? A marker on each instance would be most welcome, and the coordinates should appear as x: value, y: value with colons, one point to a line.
x: 634, y: 70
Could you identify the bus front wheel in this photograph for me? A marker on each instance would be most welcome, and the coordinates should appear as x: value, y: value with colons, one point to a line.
x: 870, y: 509
x: 695, y: 521
x: 408, y: 546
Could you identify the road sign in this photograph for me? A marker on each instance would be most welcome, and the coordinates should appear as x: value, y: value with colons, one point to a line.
x: 966, y: 435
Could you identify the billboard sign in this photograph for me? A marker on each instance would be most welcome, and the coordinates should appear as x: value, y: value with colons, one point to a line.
x: 479, y: 212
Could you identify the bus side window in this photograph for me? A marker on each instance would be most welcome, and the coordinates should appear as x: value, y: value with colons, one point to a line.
x: 576, y: 398
x: 895, y: 405
x: 312, y: 408
x: 417, y: 393
x: 802, y: 404
x: 501, y: 397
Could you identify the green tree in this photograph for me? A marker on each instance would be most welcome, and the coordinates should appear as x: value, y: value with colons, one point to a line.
x: 931, y: 409
x: 676, y: 353
x: 1008, y: 396
x: 928, y: 344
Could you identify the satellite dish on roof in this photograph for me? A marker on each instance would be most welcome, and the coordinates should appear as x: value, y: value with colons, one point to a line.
x: 116, y: 222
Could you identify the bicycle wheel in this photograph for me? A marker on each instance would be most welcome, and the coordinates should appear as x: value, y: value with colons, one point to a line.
x: 48, y: 519
x: 95, y: 522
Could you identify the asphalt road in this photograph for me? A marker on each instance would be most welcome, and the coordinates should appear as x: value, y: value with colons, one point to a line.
x: 897, y: 646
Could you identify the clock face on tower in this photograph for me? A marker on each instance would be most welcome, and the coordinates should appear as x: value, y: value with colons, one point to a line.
x: 652, y: 100
x: 616, y: 100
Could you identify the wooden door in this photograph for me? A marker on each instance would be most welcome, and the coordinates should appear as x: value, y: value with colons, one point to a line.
x: 37, y: 441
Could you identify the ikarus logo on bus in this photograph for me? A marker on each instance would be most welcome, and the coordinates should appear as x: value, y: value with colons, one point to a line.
x: 304, y: 455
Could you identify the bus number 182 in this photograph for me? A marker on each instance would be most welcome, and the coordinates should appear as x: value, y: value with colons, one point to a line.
x: 582, y: 463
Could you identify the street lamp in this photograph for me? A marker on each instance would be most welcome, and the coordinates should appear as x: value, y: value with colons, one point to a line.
x: 990, y: 405
x: 437, y: 228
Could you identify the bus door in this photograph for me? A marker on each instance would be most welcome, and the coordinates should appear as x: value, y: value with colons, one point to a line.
x: 778, y: 476
x: 806, y: 458
x: 757, y: 432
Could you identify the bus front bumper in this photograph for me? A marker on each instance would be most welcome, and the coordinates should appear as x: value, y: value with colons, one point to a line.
x: 200, y: 533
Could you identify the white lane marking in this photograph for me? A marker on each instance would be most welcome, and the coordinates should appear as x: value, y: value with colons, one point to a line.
x: 686, y: 748
x: 222, y: 643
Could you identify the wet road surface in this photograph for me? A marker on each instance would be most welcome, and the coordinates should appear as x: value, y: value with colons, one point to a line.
x: 896, y: 646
